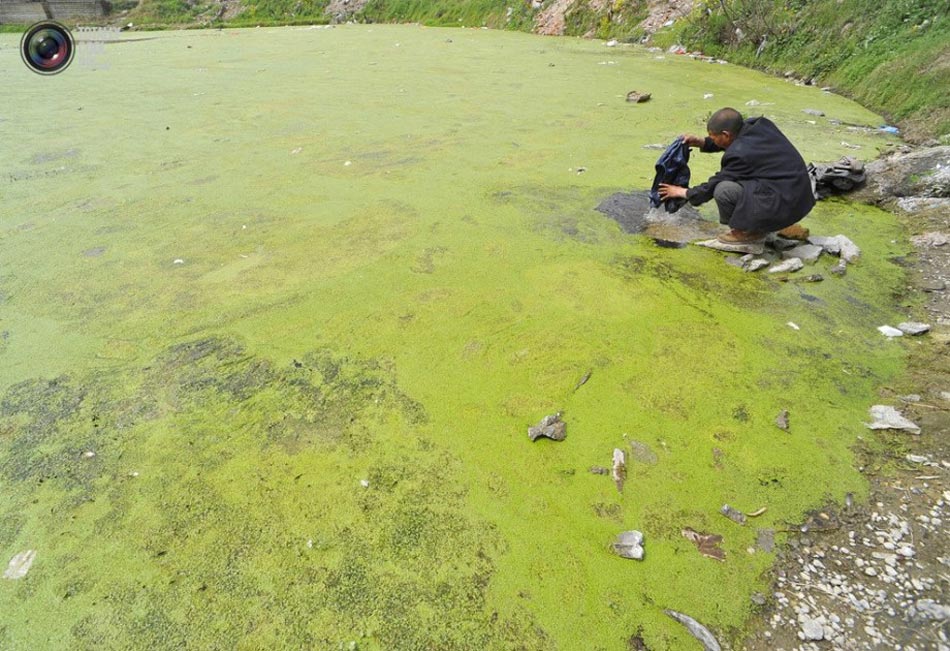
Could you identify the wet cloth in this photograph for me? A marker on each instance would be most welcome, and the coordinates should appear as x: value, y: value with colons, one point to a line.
x: 776, y: 186
x: 672, y: 167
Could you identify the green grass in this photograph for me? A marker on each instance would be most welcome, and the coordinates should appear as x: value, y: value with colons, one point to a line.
x: 376, y: 260
x: 893, y: 57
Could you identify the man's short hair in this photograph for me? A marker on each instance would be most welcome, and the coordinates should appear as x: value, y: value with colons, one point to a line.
x: 725, y: 119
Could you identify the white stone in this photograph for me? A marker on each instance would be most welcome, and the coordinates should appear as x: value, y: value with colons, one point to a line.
x: 890, y: 331
x: 789, y: 265
x: 813, y: 630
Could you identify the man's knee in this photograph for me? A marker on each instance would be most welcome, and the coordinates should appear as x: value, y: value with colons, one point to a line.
x: 727, y: 192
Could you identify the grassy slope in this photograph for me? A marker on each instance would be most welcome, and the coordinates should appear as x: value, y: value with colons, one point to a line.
x: 893, y: 57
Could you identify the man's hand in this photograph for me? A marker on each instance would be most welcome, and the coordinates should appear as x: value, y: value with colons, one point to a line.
x: 693, y: 141
x: 668, y: 191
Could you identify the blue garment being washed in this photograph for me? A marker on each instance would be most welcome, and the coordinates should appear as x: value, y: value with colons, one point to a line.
x: 673, y: 168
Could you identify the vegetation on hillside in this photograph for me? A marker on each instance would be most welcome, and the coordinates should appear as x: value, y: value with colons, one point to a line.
x: 893, y: 57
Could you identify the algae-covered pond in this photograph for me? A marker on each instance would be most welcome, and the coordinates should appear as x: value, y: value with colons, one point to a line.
x: 277, y: 307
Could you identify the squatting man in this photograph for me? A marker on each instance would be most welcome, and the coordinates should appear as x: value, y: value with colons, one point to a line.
x: 762, y: 186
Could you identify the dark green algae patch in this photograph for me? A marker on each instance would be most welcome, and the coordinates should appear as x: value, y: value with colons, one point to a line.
x: 302, y: 323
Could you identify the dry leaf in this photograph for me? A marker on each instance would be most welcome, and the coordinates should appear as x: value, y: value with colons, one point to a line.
x: 707, y: 543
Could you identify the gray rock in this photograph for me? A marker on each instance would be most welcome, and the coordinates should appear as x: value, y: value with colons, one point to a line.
x: 920, y: 173
x: 756, y: 264
x: 829, y: 244
x: 806, y: 252
x: 913, y: 328
x: 792, y: 264
x: 550, y: 426
x: 765, y: 539
x: 629, y: 544
x: 849, y: 250
x: 839, y: 269
x: 930, y: 609
x: 932, y: 239
x: 813, y: 630
x: 781, y: 421
x: 814, y: 112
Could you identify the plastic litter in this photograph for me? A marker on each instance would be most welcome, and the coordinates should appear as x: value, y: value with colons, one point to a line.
x: 696, y: 629
x: 886, y: 417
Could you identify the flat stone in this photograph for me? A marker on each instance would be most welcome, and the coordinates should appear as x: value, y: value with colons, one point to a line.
x: 805, y: 252
x: 756, y: 264
x: 792, y: 264
x: 930, y: 239
x: 829, y: 244
x: 913, y: 328
x: 889, y: 331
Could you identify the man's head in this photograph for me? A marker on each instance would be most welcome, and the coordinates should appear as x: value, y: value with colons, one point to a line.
x: 724, y: 126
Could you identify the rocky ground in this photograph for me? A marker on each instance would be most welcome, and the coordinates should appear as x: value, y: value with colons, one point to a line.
x: 877, y: 576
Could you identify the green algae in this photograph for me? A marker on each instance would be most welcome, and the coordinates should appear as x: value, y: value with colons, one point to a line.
x: 251, y: 286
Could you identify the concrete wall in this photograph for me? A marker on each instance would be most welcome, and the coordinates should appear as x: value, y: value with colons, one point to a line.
x: 27, y: 13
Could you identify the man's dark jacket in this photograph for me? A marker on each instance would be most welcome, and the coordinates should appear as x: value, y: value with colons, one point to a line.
x: 776, y: 189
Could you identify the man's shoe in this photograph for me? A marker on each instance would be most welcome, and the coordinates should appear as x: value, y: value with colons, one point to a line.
x: 795, y: 232
x: 741, y: 237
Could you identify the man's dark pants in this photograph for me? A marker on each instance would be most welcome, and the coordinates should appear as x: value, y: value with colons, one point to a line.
x: 727, y: 195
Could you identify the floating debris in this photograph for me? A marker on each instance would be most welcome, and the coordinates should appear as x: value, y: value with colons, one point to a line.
x: 19, y: 565
x: 643, y: 453
x: 583, y: 379
x: 913, y: 328
x: 706, y: 543
x: 815, y: 112
x: 550, y: 426
x: 885, y: 417
x: 599, y: 470
x: 629, y: 544
x: 637, y: 97
x: 781, y: 421
x: 696, y: 629
x: 619, y: 470
x: 757, y: 512
x: 765, y: 540
x: 736, y: 516
x: 88, y: 454
x: 793, y: 325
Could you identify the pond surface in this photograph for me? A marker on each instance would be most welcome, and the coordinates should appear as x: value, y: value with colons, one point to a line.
x: 279, y: 305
